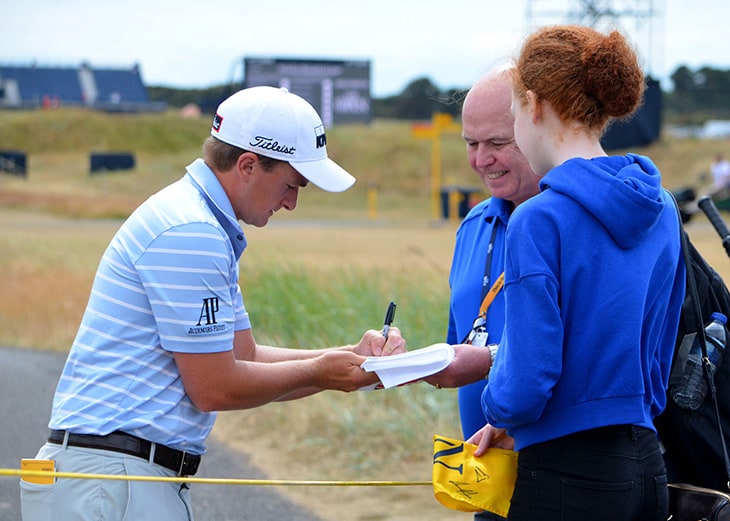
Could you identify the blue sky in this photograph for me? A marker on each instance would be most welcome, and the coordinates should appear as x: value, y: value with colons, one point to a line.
x: 182, y: 43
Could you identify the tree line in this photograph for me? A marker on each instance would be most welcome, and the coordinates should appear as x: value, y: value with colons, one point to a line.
x: 696, y: 96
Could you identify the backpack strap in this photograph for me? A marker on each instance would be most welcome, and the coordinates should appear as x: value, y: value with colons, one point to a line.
x: 700, y: 329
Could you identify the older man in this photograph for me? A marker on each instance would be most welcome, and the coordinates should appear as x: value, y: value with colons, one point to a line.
x: 478, y: 261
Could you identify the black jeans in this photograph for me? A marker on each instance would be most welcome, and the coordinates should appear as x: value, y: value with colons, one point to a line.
x: 606, y: 474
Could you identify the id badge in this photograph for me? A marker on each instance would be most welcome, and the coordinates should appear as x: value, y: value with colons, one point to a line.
x: 479, y: 338
x: 478, y: 334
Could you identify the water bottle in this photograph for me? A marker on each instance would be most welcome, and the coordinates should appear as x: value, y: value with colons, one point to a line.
x: 690, y: 392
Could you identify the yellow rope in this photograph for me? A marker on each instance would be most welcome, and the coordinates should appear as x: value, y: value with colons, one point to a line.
x: 212, y: 481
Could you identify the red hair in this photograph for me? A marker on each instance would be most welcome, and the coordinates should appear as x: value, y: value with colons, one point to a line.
x: 586, y: 76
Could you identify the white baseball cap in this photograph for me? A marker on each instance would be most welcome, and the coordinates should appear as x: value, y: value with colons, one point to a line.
x: 279, y: 124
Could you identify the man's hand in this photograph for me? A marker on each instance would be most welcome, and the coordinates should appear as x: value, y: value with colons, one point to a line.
x: 340, y: 370
x: 373, y: 343
x: 470, y: 365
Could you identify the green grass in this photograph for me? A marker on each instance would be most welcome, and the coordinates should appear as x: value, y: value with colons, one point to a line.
x: 313, y: 307
x: 75, y: 130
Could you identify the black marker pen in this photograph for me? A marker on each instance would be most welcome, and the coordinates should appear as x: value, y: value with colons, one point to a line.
x: 389, y: 316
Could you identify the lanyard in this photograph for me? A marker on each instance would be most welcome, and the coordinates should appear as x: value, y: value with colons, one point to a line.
x: 488, y: 296
x: 478, y: 333
x: 488, y: 263
x: 478, y: 329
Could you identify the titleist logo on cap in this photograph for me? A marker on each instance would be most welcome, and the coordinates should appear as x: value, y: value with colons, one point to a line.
x: 268, y: 143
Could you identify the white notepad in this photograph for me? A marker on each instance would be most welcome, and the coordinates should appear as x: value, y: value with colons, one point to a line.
x: 407, y: 367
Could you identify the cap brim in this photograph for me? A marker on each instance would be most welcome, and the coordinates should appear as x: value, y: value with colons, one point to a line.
x: 325, y: 173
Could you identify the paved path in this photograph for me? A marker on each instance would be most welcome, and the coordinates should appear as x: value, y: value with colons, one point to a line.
x: 27, y: 381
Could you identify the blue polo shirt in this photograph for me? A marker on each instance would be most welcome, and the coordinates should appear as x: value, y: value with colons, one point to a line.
x: 168, y: 282
x: 482, y: 228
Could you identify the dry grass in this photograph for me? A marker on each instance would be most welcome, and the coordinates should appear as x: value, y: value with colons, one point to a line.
x: 318, y: 449
x: 57, y: 223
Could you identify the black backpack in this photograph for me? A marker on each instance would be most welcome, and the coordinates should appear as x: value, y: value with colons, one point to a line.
x: 693, y: 440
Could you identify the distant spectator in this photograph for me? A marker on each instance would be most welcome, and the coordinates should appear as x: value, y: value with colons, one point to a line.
x: 720, y: 171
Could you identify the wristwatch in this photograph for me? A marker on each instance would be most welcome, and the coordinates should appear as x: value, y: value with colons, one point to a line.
x: 492, y: 353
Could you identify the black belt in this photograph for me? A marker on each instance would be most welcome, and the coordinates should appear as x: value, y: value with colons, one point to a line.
x: 183, y: 463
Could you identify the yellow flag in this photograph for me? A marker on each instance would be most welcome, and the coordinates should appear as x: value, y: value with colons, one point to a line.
x: 464, y: 482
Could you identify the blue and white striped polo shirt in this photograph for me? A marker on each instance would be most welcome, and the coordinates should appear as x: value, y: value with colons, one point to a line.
x: 168, y: 282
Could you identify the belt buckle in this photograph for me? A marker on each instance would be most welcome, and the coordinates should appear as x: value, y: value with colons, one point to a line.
x: 187, y: 466
x: 182, y: 464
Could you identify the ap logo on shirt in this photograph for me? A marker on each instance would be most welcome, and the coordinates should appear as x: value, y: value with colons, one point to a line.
x: 207, y: 322
x: 208, y: 311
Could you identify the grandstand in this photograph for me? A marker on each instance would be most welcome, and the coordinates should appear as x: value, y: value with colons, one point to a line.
x: 111, y: 90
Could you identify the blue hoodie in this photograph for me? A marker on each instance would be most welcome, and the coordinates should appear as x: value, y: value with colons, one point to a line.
x: 594, y: 284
